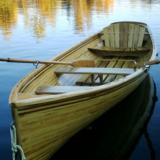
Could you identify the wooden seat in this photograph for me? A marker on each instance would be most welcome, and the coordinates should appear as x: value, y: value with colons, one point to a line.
x: 60, y: 89
x: 123, y: 39
x: 124, y: 35
x: 98, y: 72
x: 89, y: 70
x: 103, y: 52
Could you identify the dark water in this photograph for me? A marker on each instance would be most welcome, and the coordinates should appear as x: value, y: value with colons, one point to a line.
x: 41, y: 29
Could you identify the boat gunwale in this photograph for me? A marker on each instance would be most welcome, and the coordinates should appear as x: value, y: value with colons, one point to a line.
x: 136, y: 22
x: 33, y: 75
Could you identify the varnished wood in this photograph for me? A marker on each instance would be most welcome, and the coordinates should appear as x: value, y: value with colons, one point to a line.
x: 117, y: 71
x: 117, y: 50
x: 118, y: 53
x: 36, y: 62
x: 45, y: 121
x: 59, y: 89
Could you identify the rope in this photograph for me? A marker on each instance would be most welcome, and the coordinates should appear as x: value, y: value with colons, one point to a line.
x: 15, y: 146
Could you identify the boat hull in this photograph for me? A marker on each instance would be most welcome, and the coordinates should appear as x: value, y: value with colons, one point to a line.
x: 46, y: 120
x: 43, y: 128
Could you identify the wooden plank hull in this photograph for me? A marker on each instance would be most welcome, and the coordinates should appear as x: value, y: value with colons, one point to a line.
x: 45, y: 122
x: 44, y: 131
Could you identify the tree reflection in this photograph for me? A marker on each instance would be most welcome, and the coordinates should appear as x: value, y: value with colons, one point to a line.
x: 8, y: 16
x: 37, y: 13
x: 83, y: 11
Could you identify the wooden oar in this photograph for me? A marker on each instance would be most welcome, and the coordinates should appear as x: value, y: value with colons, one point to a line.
x: 86, y: 63
x: 78, y: 63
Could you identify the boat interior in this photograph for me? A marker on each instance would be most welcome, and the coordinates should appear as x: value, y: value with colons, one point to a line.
x: 116, y: 52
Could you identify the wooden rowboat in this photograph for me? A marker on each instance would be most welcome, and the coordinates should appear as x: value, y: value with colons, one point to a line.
x: 57, y: 100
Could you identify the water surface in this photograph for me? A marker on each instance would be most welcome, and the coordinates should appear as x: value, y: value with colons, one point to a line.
x: 41, y: 29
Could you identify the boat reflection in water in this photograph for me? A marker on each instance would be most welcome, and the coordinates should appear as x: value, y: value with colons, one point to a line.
x: 114, y: 135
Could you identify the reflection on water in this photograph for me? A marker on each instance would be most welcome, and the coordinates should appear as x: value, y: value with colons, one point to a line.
x: 114, y: 135
x: 8, y: 16
x: 35, y: 14
x: 83, y: 11
x: 150, y: 145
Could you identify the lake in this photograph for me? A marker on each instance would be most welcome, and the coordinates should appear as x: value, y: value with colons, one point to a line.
x: 41, y: 29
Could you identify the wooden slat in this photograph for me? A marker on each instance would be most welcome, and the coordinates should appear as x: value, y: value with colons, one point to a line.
x: 86, y: 79
x: 112, y: 64
x: 119, y: 52
x: 121, y: 36
x: 141, y: 36
x: 116, y: 30
x: 116, y: 54
x: 111, y: 77
x: 135, y: 36
x: 141, y: 49
x: 106, y: 36
x: 126, y: 64
x: 130, y: 36
x: 59, y: 89
x: 89, y: 70
x: 112, y: 38
x: 125, y: 35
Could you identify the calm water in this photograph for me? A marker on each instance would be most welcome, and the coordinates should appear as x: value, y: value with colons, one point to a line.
x: 41, y: 29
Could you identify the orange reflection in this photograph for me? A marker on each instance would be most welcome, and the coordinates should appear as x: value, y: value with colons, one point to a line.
x: 8, y: 16
x: 36, y: 14
x: 83, y: 10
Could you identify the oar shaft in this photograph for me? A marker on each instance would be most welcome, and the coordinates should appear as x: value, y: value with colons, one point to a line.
x: 89, y: 63
x: 32, y: 61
